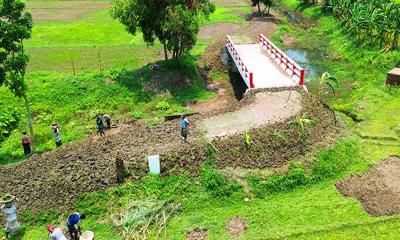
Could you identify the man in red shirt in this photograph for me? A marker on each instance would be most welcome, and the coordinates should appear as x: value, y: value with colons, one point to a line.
x: 26, y: 143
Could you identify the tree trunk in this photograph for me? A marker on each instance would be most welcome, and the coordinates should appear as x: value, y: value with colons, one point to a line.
x: 165, y: 50
x: 30, y: 122
x: 258, y: 5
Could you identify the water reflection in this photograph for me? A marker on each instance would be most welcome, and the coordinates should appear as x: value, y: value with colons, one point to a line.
x: 311, y: 60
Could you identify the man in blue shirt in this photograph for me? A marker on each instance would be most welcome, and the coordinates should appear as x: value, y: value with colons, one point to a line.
x: 73, y: 224
x: 184, y: 130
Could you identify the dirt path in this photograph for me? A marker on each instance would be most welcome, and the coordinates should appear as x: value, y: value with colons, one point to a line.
x: 267, y: 108
x: 378, y: 190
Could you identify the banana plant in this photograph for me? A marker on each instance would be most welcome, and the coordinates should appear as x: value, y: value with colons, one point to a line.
x: 328, y: 80
x: 302, y: 123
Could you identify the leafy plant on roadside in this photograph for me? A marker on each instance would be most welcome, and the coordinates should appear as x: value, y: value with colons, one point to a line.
x: 247, y: 139
x: 302, y: 123
x: 328, y: 80
x: 280, y: 136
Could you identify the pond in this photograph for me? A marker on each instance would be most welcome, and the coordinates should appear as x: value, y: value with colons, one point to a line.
x: 312, y: 62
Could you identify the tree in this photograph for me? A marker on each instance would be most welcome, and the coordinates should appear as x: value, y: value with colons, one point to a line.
x: 267, y: 4
x: 15, y: 27
x: 175, y: 23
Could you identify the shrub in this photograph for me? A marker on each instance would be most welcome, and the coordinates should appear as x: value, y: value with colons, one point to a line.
x: 333, y: 161
x: 279, y: 183
x: 214, y: 182
x: 330, y: 163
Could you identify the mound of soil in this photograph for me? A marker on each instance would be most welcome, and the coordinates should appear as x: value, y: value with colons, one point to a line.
x: 197, y: 234
x: 58, y: 178
x: 212, y: 56
x: 378, y: 190
x: 236, y: 227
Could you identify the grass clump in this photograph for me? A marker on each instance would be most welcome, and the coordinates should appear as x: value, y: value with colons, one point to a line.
x: 139, y: 218
x: 214, y: 182
x: 330, y: 163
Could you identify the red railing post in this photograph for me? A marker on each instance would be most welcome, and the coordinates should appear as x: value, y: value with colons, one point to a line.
x: 251, y: 80
x: 301, y: 77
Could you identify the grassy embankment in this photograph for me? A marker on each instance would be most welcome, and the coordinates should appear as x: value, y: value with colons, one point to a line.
x: 314, y: 211
x: 113, y: 76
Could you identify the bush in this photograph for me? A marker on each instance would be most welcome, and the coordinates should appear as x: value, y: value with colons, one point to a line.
x: 330, y: 163
x: 334, y: 161
x: 214, y: 182
x: 279, y: 183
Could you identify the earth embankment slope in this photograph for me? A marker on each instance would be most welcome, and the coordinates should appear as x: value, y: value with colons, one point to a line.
x: 57, y: 178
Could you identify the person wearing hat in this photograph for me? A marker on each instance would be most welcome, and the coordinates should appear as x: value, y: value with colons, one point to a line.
x: 184, y: 128
x: 9, y: 206
x: 56, y: 233
x: 26, y: 143
x: 73, y: 224
x: 57, y: 135
x: 108, y: 120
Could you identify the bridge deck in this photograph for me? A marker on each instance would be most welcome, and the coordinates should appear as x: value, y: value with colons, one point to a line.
x: 266, y: 73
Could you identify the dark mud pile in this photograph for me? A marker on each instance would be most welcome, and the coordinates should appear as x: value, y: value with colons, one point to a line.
x: 57, y: 178
x: 212, y: 57
x: 378, y: 190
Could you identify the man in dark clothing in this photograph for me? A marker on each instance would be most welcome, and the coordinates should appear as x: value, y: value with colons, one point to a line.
x: 100, y: 125
x: 26, y: 143
x: 73, y: 224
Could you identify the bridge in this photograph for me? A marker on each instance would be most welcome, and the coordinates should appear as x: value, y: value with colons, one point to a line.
x: 264, y: 65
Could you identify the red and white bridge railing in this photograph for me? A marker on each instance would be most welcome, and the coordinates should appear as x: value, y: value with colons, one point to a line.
x: 243, y: 69
x: 295, y: 71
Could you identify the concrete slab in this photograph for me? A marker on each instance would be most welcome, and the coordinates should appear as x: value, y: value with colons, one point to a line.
x: 266, y: 73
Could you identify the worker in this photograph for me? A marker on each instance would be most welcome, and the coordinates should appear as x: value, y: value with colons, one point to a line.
x: 73, y: 224
x: 108, y: 120
x: 26, y: 143
x: 57, y: 135
x: 184, y: 129
x: 100, y: 125
x: 9, y: 207
x: 56, y: 233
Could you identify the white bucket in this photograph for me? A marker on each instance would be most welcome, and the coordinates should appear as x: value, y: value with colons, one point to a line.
x: 154, y: 164
x: 87, y: 235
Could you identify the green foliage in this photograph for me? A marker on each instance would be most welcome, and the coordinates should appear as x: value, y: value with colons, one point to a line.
x: 279, y: 183
x: 9, y: 119
x: 302, y: 123
x: 247, y: 139
x: 280, y: 136
x: 15, y: 27
x: 175, y: 23
x: 330, y: 163
x: 371, y: 22
x: 214, y: 182
x: 330, y: 81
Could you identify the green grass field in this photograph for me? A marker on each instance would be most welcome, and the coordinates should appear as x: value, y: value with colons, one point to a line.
x: 315, y: 211
x: 82, y: 35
